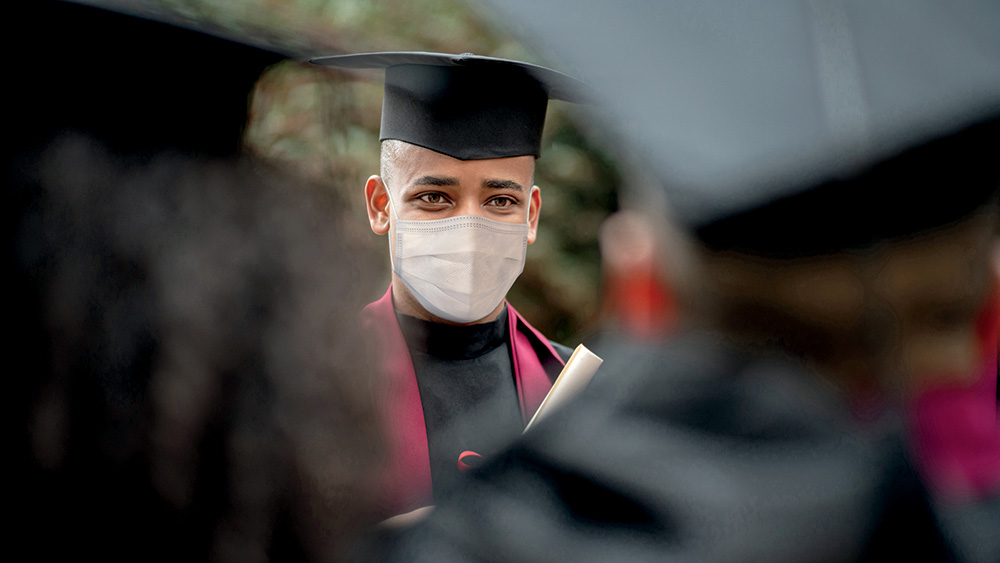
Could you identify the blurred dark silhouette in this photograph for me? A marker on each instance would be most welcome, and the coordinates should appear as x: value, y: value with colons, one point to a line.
x: 135, y: 83
x: 187, y: 380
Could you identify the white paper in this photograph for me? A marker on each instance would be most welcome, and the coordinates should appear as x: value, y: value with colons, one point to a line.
x: 576, y: 374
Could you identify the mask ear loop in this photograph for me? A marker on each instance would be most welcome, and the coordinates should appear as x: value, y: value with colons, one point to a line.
x: 391, y: 205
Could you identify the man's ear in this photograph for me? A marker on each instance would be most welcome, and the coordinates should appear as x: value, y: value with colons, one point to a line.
x: 377, y: 202
x: 534, y: 209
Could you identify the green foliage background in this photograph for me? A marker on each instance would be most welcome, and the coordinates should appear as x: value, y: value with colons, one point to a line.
x: 324, y: 123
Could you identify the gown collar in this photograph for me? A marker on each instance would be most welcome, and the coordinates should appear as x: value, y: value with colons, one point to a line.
x: 450, y: 341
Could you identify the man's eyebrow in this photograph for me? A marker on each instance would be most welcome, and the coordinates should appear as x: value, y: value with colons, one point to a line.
x: 503, y: 185
x: 436, y: 181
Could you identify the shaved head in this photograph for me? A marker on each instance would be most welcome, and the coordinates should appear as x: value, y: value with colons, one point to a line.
x: 391, y: 150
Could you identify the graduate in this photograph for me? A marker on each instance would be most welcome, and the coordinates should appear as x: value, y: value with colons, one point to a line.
x: 462, y: 370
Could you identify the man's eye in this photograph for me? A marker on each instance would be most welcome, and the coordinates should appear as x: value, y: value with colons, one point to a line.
x: 432, y: 198
x: 502, y: 201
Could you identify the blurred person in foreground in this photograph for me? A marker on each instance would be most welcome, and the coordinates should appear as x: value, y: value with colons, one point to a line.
x: 827, y: 216
x: 190, y: 385
x: 463, y: 370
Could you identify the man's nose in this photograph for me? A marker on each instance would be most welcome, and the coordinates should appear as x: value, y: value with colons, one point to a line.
x: 468, y: 206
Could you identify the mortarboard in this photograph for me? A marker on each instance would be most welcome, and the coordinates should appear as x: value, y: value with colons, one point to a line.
x: 794, y: 126
x: 465, y: 106
x: 135, y: 77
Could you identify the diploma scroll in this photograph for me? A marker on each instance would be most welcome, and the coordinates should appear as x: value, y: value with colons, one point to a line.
x: 575, y: 375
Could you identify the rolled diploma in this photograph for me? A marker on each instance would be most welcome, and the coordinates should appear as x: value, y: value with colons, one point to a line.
x: 575, y: 375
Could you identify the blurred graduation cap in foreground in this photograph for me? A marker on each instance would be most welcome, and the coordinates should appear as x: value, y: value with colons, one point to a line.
x: 137, y: 77
x: 465, y: 106
x: 765, y: 123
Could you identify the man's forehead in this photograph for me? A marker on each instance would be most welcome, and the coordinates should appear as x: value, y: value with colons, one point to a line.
x: 414, y: 162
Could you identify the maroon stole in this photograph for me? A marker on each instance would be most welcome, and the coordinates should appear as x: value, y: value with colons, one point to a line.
x: 406, y: 484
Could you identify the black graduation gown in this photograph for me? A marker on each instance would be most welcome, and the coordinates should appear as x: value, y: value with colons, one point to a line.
x: 470, y: 402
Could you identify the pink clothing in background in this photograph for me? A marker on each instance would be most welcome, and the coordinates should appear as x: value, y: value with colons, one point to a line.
x: 955, y: 428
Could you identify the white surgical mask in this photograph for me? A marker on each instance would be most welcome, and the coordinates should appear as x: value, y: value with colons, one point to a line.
x: 459, y: 268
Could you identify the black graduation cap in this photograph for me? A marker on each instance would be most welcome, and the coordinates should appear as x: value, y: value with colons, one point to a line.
x: 795, y: 125
x: 465, y: 106
x: 137, y: 78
